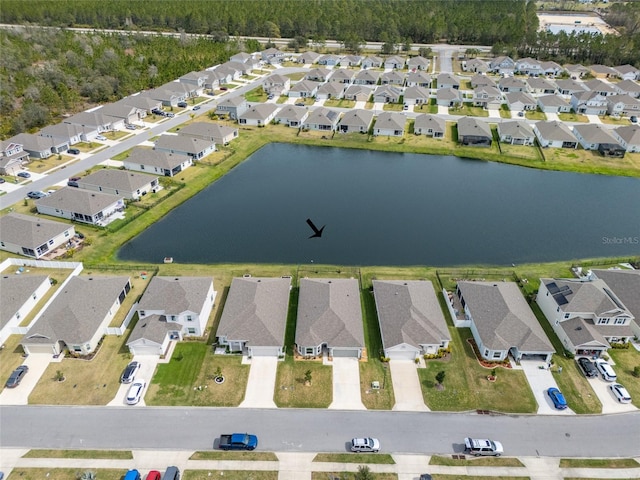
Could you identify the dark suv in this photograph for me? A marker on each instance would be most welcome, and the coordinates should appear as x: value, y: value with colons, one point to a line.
x: 588, y: 368
x: 130, y: 372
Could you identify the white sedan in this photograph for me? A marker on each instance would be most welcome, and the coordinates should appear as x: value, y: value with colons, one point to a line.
x: 135, y: 392
x: 621, y: 393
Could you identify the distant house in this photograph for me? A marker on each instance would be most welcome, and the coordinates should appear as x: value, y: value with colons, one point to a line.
x: 416, y: 96
x: 94, y: 123
x: 255, y: 316
x: 251, y: 61
x: 512, y: 84
x: 476, y: 65
x: 81, y: 205
x: 213, y: 132
x: 12, y: 157
x: 272, y: 55
x: 171, y: 308
x: 411, y: 321
x: 318, y: 74
x: 119, y: 182
x: 551, y: 69
x: 276, y: 84
x: 309, y: 57
x: 520, y: 101
x: 627, y: 72
x: 624, y: 284
x: 32, y: 236
x: 64, y: 133
x: 358, y: 93
x: 170, y: 95
x: 157, y: 162
x: 628, y: 87
x: 541, y: 86
x: 350, y: 61
x: 502, y: 323
x: 419, y: 79
x: 594, y: 137
x: 555, y: 134
x: 196, y: 148
x: 482, y: 81
x: 516, y: 132
x: 292, y: 116
x: 356, y: 120
x: 366, y: 77
x: 394, y: 62
x: 418, y: 63
x: 430, y: 125
x: 342, y: 75
x: 19, y: 294
x: 629, y: 137
x: 576, y: 71
x: 121, y: 110
x: 528, y: 66
x: 259, y: 115
x: 387, y: 94
x: 502, y: 65
x: 232, y: 106
x: 600, y: 87
x: 390, y: 124
x: 473, y: 132
x: 304, y: 89
x: 569, y: 87
x: 39, y: 147
x: 372, y: 61
x: 448, y: 97
x: 329, y: 318
x: 447, y: 80
x: 553, y: 104
x: 329, y: 60
x: 602, y: 71
x: 487, y: 97
x: 143, y: 101
x: 72, y: 323
x: 322, y: 119
x: 330, y: 90
x: 392, y: 78
x: 586, y: 315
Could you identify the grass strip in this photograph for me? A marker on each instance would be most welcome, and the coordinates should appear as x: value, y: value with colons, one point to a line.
x: 65, y: 473
x: 230, y: 474
x: 476, y: 462
x: 243, y: 456
x: 598, y: 463
x: 352, y: 476
x: 111, y: 454
x: 379, y: 459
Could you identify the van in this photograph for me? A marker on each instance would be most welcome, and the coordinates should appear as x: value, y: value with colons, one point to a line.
x: 172, y: 473
x: 132, y: 475
x: 606, y: 371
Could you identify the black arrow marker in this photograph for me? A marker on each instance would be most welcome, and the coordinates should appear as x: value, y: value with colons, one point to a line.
x: 316, y: 233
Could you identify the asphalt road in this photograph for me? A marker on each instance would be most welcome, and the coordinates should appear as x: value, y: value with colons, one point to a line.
x: 301, y: 430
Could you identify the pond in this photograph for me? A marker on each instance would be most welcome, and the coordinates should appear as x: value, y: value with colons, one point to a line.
x: 382, y: 208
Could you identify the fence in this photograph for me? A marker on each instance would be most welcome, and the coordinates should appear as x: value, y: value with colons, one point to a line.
x: 125, y: 323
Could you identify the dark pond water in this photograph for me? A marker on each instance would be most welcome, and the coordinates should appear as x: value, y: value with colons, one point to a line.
x: 395, y: 209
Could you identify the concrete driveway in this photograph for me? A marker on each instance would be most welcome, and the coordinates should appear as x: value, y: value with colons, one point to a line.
x: 552, y: 117
x: 406, y: 386
x: 148, y: 364
x: 37, y: 363
x: 494, y: 113
x: 609, y: 402
x: 540, y: 380
x: 261, y: 384
x: 346, y: 384
x: 594, y: 119
x: 443, y: 110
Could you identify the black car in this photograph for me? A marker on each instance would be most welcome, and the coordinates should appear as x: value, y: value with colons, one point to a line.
x: 16, y: 377
x: 130, y: 372
x: 73, y: 151
x: 588, y: 368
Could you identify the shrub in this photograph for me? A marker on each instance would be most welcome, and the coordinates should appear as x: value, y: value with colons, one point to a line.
x: 620, y: 345
x: 636, y: 371
x: 569, y: 355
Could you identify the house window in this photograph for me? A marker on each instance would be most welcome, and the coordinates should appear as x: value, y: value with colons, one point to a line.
x: 189, y: 318
x: 66, y: 234
x: 566, y: 315
x: 77, y: 348
x: 1, y: 244
x: 603, y: 321
x: 173, y: 318
x: 191, y: 331
x: 486, y: 352
x: 557, y: 309
x: 619, y: 321
x: 50, y: 242
x: 309, y: 351
x: 496, y: 354
x: 141, y: 313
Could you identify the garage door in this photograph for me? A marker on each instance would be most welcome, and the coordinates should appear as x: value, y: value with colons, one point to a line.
x: 33, y: 348
x: 400, y: 354
x: 264, y: 351
x: 345, y: 352
x: 146, y: 350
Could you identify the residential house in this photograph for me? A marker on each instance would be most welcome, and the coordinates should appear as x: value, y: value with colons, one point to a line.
x: 528, y: 66
x: 576, y: 71
x: 251, y: 61
x: 623, y: 105
x: 94, y: 123
x: 358, y: 93
x: 64, y: 133
x: 390, y: 124
x: 590, y: 103
x: 502, y: 323
x: 39, y: 147
x: 487, y: 97
x: 170, y: 95
x: 329, y: 60
x: 196, y: 148
x: 555, y: 134
x: 254, y: 318
x: 475, y: 65
x: 416, y: 96
x: 541, y: 86
x: 143, y: 101
x: 628, y: 87
x: 593, y: 136
x: 600, y: 87
x: 627, y: 72
x: 512, y: 84
x: 586, y: 315
x: 81, y: 205
x: 551, y: 69
x: 392, y: 78
x: 12, y: 157
x: 213, y: 132
x: 553, y: 104
x: 447, y: 80
x: 330, y: 90
x: 482, y: 81
x: 387, y: 94
x: 329, y: 318
x: 342, y: 75
x: 473, y: 132
x: 292, y: 116
x: 19, y: 294
x: 240, y: 67
x: 372, y: 61
x: 502, y: 65
x: 418, y: 63
x: 394, y: 62
x: 120, y: 182
x: 366, y: 77
x: 356, y: 120
x: 419, y: 79
x: 309, y: 58
x: 322, y: 119
x: 318, y: 75
x: 411, y: 321
x: 32, y: 236
x: 120, y: 110
x: 73, y: 323
x: 629, y: 137
x: 430, y: 125
x: 516, y: 132
x: 220, y: 77
x: 157, y: 162
x: 276, y: 84
x: 232, y: 106
x: 625, y: 285
x: 448, y: 97
x: 569, y: 87
x: 351, y: 61
x: 520, y: 101
x: 272, y: 55
x: 171, y: 308
x: 602, y: 71
x: 259, y: 115
x: 304, y: 89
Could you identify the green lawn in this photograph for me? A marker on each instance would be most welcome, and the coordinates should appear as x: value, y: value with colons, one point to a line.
x: 108, y: 454
x: 393, y: 107
x: 291, y: 390
x: 572, y: 117
x: 352, y: 476
x: 598, y: 463
x: 377, y: 458
x: 625, y: 362
x: 339, y: 103
x: 229, y: 474
x: 64, y: 473
x: 234, y: 455
x: 256, y: 95
x: 476, y: 462
x: 467, y: 109
x: 535, y: 115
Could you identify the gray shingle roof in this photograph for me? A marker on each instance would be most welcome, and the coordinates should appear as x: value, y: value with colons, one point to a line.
x: 426, y: 121
x: 183, y: 143
x: 409, y: 312
x: 555, y: 131
x: 116, y: 179
x: 391, y: 121
x: 156, y: 158
x: 79, y: 201
x: 153, y: 328
x: 260, y: 111
x: 304, y: 86
x: 329, y: 312
x: 583, y: 333
x: 292, y: 112
x: 588, y: 297
x: 28, y: 231
x: 77, y: 311
x: 503, y: 318
x: 516, y: 129
x: 15, y: 290
x: 357, y: 118
x: 256, y: 311
x: 176, y: 295
x: 552, y: 101
x: 470, y: 126
x: 594, y: 133
x: 332, y: 88
x: 209, y: 130
x: 630, y: 134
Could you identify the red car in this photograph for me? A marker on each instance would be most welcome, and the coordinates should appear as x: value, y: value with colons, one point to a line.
x: 153, y: 475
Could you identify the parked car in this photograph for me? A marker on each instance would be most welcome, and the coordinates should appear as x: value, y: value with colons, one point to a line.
x: 171, y: 473
x: 2, y: 180
x: 482, y: 447
x: 633, y: 119
x: 425, y: 476
x: 197, y: 107
x: 73, y: 181
x: 365, y: 445
x: 154, y: 475
x: 169, y: 114
x: 73, y: 151
x: 557, y: 398
x: 129, y: 372
x: 132, y: 475
x: 238, y: 441
x: 24, y: 174
x: 16, y: 376
x: 101, y: 138
x: 270, y: 96
x: 224, y: 89
x: 621, y: 393
x: 135, y: 392
x: 606, y: 371
x: 130, y: 127
x: 36, y: 195
x: 182, y: 104
x: 405, y: 107
x: 300, y: 104
x: 521, y: 114
x: 588, y: 368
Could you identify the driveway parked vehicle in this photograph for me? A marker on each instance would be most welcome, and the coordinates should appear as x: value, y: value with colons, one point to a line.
x: 135, y: 392
x: 557, y: 398
x: 101, y: 138
x: 73, y: 151
x: 132, y: 475
x: 621, y: 393
x: 16, y: 376
x: 24, y: 174
x: 130, y: 127
x: 154, y: 475
x: 633, y: 119
x: 2, y: 180
x: 588, y: 368
x: 300, y: 104
x: 365, y: 445
x: 129, y: 372
x: 73, y: 181
x: 36, y: 195
x: 197, y: 107
x: 606, y: 371
x: 482, y: 446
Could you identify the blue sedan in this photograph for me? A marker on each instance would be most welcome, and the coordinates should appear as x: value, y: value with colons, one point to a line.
x: 557, y: 398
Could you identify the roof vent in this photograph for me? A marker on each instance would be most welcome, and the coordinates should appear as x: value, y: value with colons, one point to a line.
x: 38, y: 225
x: 578, y: 328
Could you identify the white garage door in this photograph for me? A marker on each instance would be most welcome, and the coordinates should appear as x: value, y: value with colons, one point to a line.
x: 146, y: 350
x: 400, y: 354
x: 345, y: 352
x: 264, y: 351
x: 34, y: 348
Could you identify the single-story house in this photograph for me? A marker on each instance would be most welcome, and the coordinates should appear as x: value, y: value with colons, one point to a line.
x: 330, y: 90
x: 12, y: 157
x: 232, y: 106
x: 594, y: 137
x: 213, y: 132
x: 392, y: 78
x: 32, y: 236
x: 475, y: 65
x: 196, y: 148
x: 516, y: 132
x: 65, y: 133
x: 576, y: 71
x: 602, y: 71
x: 39, y: 147
x: 390, y: 124
x: 474, y: 133
x: 259, y: 115
x: 447, y: 80
x: 255, y: 316
x: 482, y: 81
x: 304, y: 89
x: 343, y: 75
x: 411, y: 321
x: 627, y: 72
x: 520, y: 101
x: 95, y: 123
x: 430, y: 125
x: 512, y: 84
x: 322, y: 119
x: 416, y: 96
x: 625, y: 285
x: 78, y: 316
x: 350, y: 61
x: 601, y: 87
x: 19, y: 294
x: 553, y: 104
x: 143, y: 101
x: 329, y: 60
x: 126, y: 112
x: 171, y: 308
x: 272, y: 55
x: 372, y: 61
x: 387, y: 94
x: 541, y: 86
x: 367, y: 77
x: 629, y: 137
x: 309, y: 57
x: 555, y: 134
x: 250, y: 60
x: 318, y: 74
x: 156, y: 161
x: 448, y: 97
x: 418, y: 63
x: 329, y: 318
x: 551, y: 69
x: 356, y: 120
x: 170, y: 97
x: 568, y: 87
x: 502, y: 322
x: 292, y: 116
x: 419, y: 79
x: 120, y: 182
x: 358, y: 93
x: 394, y: 62
x: 81, y: 205
x: 276, y: 84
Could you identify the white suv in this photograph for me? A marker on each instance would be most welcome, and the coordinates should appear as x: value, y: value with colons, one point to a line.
x: 365, y: 445
x: 478, y: 447
x: 606, y: 371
